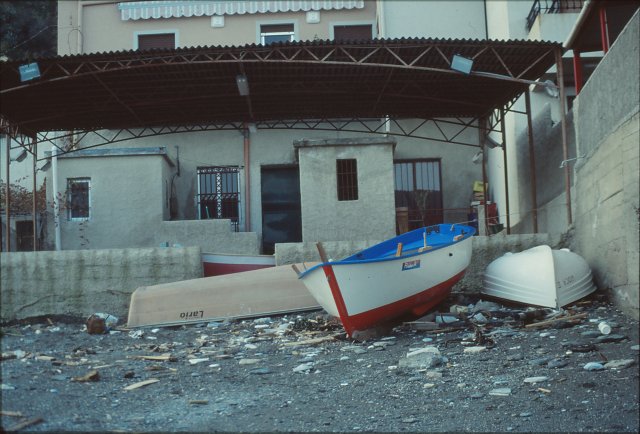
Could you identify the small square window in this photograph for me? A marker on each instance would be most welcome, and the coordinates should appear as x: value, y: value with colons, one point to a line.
x: 270, y: 33
x: 347, y: 172
x: 78, y: 198
x: 153, y: 41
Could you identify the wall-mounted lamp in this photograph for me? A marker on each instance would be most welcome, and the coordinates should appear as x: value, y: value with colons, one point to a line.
x: 21, y: 156
x: 565, y: 162
x: 461, y: 64
x: 243, y: 84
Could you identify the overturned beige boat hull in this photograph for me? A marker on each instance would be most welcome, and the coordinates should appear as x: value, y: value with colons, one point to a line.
x: 264, y: 292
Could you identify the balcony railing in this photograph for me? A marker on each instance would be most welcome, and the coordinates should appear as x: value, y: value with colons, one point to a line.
x: 552, y: 7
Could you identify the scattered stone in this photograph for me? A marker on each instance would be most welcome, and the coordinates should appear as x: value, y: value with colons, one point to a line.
x: 502, y: 391
x: 248, y: 361
x: 89, y: 376
x: 582, y: 348
x: 533, y: 380
x: 7, y: 387
x: 635, y: 348
x: 557, y: 363
x: 485, y: 306
x: 433, y: 374
x: 540, y: 361
x: 196, y: 361
x: 476, y: 395
x: 593, y: 366
x: 525, y: 414
x: 456, y: 308
x: 409, y: 420
x: 480, y: 318
x: 591, y: 334
x: 515, y: 357
x: 303, y: 367
x: 427, y: 357
x: 429, y: 385
x: 610, y: 338
x: 476, y: 349
x: 260, y: 371
x: 619, y: 364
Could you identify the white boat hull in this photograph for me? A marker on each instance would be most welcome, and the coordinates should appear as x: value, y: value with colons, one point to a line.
x: 539, y: 276
x: 364, y: 294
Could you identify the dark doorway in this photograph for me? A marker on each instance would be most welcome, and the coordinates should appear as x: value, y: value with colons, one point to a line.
x: 24, y: 235
x: 281, y: 215
x: 418, y: 187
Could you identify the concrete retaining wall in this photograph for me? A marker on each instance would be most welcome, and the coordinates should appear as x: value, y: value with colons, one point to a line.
x: 607, y: 176
x: 82, y: 282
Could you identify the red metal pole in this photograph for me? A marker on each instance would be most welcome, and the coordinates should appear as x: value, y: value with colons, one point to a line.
x: 577, y: 71
x: 604, y: 29
x: 34, y: 149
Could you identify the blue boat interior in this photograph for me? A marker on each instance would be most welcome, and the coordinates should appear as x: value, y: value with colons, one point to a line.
x: 436, y: 237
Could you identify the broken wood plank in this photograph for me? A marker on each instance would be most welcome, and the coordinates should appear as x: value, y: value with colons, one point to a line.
x: 141, y: 384
x: 10, y: 413
x: 162, y: 358
x: 551, y: 321
x: 321, y: 252
x: 295, y: 268
x: 312, y: 341
x: 399, y: 250
x: 24, y: 424
x: 422, y: 325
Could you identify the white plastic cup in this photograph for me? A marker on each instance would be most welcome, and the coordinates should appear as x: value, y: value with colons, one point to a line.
x: 604, y: 328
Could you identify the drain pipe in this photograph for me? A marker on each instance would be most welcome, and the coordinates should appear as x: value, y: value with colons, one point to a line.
x: 56, y: 201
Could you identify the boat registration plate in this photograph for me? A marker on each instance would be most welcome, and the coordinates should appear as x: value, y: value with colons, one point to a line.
x: 410, y: 265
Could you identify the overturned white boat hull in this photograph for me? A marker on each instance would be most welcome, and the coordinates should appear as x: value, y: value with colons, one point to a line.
x: 539, y: 276
x: 270, y: 291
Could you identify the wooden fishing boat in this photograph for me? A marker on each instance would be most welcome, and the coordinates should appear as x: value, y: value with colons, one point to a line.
x: 539, y: 276
x: 248, y: 294
x: 410, y: 273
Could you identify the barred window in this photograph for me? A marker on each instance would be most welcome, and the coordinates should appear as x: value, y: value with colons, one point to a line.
x: 347, y: 172
x: 78, y: 198
x: 219, y: 194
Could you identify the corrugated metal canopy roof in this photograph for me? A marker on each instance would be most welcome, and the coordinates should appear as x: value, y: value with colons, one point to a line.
x: 299, y: 80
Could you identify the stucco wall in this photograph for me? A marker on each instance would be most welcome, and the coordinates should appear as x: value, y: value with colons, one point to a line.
x: 82, y: 282
x: 608, y: 173
x: 101, y: 28
x: 212, y: 236
x: 324, y: 217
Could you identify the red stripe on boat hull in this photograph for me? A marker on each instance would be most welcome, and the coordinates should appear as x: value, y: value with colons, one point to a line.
x: 418, y: 304
x: 217, y: 269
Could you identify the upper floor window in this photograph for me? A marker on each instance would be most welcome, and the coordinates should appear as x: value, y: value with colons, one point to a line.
x: 78, y: 198
x: 155, y: 40
x: 270, y: 33
x: 356, y: 32
x: 347, y: 171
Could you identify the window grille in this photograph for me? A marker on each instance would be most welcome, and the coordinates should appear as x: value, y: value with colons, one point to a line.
x: 219, y: 194
x: 552, y: 7
x: 347, y: 171
x: 78, y: 198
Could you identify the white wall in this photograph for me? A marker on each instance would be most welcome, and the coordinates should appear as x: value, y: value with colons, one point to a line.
x: 464, y: 19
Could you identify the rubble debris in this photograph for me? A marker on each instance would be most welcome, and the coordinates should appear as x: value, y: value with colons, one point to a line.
x: 501, y: 391
x: 554, y: 322
x: 604, y: 328
x: 539, y: 379
x: 100, y: 323
x: 427, y: 357
x: 10, y: 413
x: 198, y: 401
x: 593, y: 366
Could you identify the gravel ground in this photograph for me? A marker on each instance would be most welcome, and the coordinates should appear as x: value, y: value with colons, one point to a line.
x: 300, y: 373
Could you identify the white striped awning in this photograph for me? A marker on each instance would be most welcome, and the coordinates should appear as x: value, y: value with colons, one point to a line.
x: 145, y: 10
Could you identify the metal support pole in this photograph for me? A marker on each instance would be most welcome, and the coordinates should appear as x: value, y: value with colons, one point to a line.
x: 532, y: 164
x: 577, y: 70
x: 7, y: 200
x: 563, y: 117
x: 604, y: 29
x: 247, y: 180
x: 506, y: 173
x: 481, y: 132
x: 34, y: 208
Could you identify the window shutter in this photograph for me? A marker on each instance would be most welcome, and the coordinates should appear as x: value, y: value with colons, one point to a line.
x: 160, y: 40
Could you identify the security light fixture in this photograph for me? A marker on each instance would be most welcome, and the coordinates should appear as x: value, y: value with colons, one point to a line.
x: 243, y: 84
x: 461, y: 64
x: 21, y: 156
x: 29, y: 71
x: 45, y: 166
